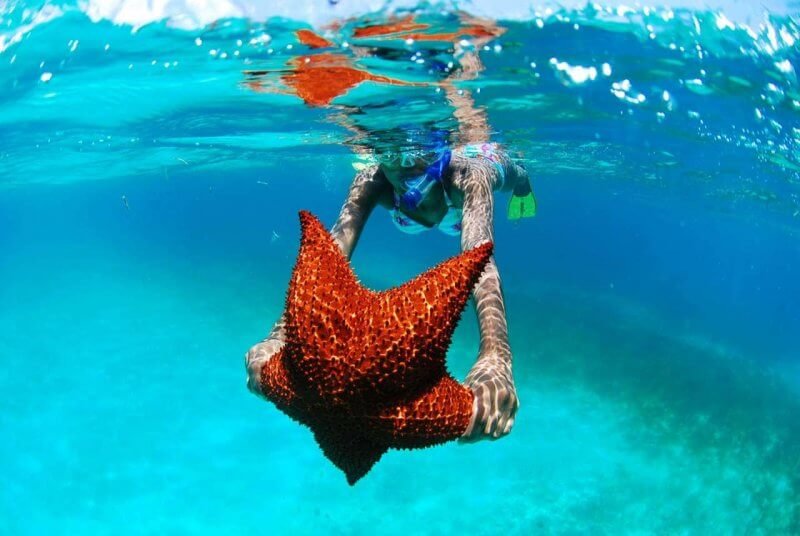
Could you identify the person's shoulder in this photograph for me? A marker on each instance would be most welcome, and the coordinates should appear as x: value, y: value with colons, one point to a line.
x: 469, y: 173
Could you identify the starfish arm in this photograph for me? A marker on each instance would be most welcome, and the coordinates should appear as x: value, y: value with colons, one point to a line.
x: 490, y: 378
x: 340, y: 437
x: 365, y: 192
x: 426, y: 311
x: 322, y: 307
x: 343, y: 443
x: 442, y: 413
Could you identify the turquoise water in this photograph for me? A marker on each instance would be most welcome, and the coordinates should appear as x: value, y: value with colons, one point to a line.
x: 653, y: 301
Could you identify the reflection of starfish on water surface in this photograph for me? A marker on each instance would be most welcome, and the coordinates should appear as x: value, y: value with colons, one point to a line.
x: 319, y: 78
x: 366, y: 370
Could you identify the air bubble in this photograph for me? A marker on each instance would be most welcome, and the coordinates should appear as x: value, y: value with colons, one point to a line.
x: 573, y: 74
x: 623, y: 90
x: 773, y: 94
x: 262, y: 39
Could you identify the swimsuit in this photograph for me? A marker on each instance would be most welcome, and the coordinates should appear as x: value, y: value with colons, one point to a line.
x: 450, y: 223
x: 490, y: 152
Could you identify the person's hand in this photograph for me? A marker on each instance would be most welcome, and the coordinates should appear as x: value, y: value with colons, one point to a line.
x: 258, y: 355
x: 496, y: 403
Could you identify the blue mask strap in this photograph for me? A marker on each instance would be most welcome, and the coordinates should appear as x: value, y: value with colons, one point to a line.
x: 437, y: 169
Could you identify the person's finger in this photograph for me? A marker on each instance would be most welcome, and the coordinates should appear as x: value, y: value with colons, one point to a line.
x: 486, y: 408
x: 508, y: 426
x: 494, y: 413
x: 475, y: 422
x: 491, y: 426
x: 499, y: 430
x: 481, y: 407
x: 504, y: 404
x: 502, y: 415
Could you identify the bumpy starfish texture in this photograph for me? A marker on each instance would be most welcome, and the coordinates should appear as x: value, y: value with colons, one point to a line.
x: 365, y: 370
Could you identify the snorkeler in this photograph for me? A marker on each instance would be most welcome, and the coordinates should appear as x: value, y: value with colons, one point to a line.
x: 448, y: 186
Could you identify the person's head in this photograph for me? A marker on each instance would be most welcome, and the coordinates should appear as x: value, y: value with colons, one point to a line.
x: 410, y: 153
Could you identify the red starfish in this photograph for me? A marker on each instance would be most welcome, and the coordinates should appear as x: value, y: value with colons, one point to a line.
x: 365, y: 370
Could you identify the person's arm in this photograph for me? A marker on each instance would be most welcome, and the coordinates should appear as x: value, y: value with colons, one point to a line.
x: 490, y: 379
x: 368, y: 189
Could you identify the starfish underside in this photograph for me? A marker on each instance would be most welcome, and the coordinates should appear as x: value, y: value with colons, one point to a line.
x: 365, y: 370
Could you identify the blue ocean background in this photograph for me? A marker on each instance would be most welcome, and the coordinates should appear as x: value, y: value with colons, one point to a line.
x: 148, y: 226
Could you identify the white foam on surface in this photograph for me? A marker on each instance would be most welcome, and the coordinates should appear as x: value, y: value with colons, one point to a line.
x: 43, y: 15
x: 190, y: 14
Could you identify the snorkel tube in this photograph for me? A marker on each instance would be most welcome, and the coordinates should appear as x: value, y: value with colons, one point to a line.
x: 419, y: 187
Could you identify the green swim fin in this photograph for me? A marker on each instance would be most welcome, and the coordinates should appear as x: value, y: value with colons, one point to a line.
x: 522, y: 206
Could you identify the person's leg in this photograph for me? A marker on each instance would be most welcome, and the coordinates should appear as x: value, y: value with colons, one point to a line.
x: 522, y: 203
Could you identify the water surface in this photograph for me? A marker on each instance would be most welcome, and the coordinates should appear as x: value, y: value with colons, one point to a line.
x: 652, y: 302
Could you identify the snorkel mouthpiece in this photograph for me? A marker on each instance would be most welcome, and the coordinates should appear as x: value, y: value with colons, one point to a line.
x: 413, y: 197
